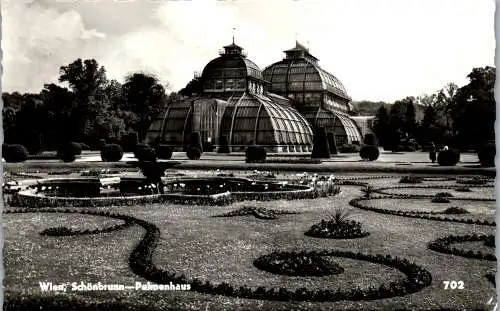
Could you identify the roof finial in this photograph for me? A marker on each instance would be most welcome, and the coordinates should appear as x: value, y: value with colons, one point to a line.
x: 234, y: 28
x: 296, y: 39
x: 308, y: 45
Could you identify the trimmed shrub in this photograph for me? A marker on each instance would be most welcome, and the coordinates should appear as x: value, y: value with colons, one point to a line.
x: 321, y: 149
x: 193, y: 153
x: 349, y: 148
x: 194, y: 140
x: 208, y: 146
x: 14, y: 153
x: 223, y: 145
x: 370, y: 139
x: 255, y: 154
x: 369, y: 152
x: 145, y: 153
x: 486, y: 155
x: 164, y: 152
x: 448, y: 157
x: 111, y: 153
x: 69, y: 151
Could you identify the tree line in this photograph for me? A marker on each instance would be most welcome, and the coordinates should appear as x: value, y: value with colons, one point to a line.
x: 87, y: 107
x: 463, y: 118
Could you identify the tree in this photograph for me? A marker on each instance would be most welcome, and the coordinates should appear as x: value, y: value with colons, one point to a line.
x: 145, y: 97
x: 381, y: 126
x: 474, y: 108
x: 193, y: 87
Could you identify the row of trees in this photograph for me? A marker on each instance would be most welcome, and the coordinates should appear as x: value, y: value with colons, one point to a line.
x: 89, y: 109
x: 458, y: 117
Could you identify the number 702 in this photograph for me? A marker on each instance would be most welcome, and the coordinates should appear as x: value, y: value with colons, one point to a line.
x: 453, y: 284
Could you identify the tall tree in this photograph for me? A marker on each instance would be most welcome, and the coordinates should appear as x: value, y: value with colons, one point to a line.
x: 381, y: 125
x: 145, y: 98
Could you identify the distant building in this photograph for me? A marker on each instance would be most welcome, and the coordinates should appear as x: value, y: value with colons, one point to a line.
x: 275, y: 109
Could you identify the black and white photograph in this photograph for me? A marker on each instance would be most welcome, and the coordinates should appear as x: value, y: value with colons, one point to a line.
x: 163, y: 155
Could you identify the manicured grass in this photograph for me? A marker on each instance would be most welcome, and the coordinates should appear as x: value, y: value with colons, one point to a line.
x: 222, y: 249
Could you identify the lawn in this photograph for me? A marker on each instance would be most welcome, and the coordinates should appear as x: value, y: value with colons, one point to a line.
x: 222, y: 250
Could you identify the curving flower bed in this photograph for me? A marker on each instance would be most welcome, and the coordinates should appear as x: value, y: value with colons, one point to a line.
x: 415, y: 214
x: 258, y: 212
x: 297, y: 264
x: 383, y: 190
x: 443, y: 245
x: 141, y: 263
x: 331, y: 229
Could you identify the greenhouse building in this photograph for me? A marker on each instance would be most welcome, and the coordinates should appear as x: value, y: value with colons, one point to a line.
x: 276, y: 108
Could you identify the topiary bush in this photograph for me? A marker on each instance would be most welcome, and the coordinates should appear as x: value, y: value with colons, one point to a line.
x: 193, y: 153
x: 14, y: 153
x: 145, y: 153
x: 164, y: 152
x: 111, y: 153
x: 321, y: 149
x: 68, y: 152
x: 84, y: 146
x: 129, y: 141
x: 486, y: 155
x: 255, y: 154
x: 223, y: 145
x: 194, y: 140
x: 370, y: 139
x: 102, y: 143
x: 448, y: 157
x: 369, y: 152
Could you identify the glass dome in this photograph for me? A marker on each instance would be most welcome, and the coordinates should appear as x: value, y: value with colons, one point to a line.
x: 255, y: 119
x: 344, y: 128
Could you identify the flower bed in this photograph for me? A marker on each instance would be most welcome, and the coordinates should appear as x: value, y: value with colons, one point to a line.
x: 297, y: 264
x: 415, y: 214
x: 258, y: 212
x: 443, y: 245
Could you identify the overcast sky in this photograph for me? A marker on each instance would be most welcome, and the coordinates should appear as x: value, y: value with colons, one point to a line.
x: 379, y: 49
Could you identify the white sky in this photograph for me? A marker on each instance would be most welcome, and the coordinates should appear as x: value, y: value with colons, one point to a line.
x: 379, y: 49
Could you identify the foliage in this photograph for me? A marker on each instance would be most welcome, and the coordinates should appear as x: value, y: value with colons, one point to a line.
x: 321, y: 149
x: 193, y: 153
x: 448, y: 157
x: 14, y: 153
x: 254, y: 154
x: 411, y: 179
x: 145, y: 153
x: 164, y: 152
x: 486, y: 154
x: 223, y: 145
x: 369, y: 152
x: 111, y: 153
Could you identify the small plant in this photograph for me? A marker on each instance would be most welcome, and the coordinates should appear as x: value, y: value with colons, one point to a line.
x: 223, y: 145
x: 440, y: 200
x: 339, y: 216
x: 455, y: 210
x: 368, y: 190
x: 448, y: 157
x: 410, y: 179
x: 443, y: 195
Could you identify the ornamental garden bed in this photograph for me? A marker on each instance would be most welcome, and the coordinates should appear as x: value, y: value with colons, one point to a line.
x: 186, y: 243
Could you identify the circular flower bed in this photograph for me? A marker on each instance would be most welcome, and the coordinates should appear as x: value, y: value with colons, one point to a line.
x: 331, y: 229
x: 297, y: 264
x: 443, y: 245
